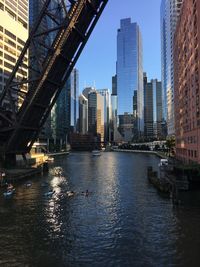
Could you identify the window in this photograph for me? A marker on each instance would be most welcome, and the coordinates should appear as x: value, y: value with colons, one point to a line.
x: 11, y: 35
x: 8, y: 41
x: 10, y: 13
x: 20, y: 41
x: 9, y: 66
x: 12, y: 59
x: 1, y: 6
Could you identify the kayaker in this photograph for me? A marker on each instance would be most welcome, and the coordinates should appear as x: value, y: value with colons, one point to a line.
x: 9, y: 187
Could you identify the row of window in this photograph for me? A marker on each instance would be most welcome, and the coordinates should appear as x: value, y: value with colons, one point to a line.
x: 14, y: 16
x: 188, y: 153
x: 12, y: 36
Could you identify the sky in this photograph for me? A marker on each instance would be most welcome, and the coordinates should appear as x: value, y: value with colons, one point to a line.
x: 97, y: 63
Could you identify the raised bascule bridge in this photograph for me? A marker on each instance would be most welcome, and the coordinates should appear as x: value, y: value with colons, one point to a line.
x: 55, y: 43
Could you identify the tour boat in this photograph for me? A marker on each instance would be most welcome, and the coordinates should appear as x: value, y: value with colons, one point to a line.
x: 96, y: 153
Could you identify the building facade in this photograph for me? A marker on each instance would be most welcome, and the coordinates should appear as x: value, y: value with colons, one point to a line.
x: 126, y: 126
x: 169, y: 13
x: 88, y: 90
x: 13, y: 35
x: 153, y: 109
x: 96, y: 115
x: 130, y: 72
x: 83, y: 114
x: 114, y: 85
x: 73, y: 83
x: 107, y: 102
x: 187, y: 82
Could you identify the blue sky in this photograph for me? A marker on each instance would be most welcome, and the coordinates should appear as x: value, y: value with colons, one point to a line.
x: 98, y: 60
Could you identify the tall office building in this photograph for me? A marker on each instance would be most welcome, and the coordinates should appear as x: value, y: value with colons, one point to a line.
x: 113, y: 109
x: 153, y: 109
x: 114, y: 85
x: 106, y: 99
x: 130, y: 72
x: 96, y: 114
x: 187, y: 82
x: 170, y: 10
x: 65, y: 113
x: 73, y: 82
x: 83, y: 114
x: 49, y: 132
x: 13, y: 35
x: 88, y: 90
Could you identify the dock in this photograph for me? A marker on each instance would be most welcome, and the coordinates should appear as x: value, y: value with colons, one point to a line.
x: 162, y: 184
x: 168, y: 181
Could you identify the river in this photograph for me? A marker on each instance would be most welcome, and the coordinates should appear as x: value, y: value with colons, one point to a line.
x: 122, y: 222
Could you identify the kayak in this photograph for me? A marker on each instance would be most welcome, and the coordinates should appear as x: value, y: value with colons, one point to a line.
x: 28, y: 184
x: 70, y: 193
x: 9, y: 192
x: 49, y: 194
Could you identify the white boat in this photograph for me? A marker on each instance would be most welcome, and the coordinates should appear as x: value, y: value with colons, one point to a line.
x: 163, y: 162
x: 96, y: 153
x: 9, y: 192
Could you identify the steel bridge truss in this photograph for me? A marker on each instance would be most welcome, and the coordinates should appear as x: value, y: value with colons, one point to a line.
x: 52, y: 49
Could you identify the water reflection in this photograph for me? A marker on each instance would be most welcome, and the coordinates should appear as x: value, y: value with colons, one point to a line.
x: 122, y: 222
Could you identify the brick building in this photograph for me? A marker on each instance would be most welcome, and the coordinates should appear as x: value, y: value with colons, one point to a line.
x: 187, y: 78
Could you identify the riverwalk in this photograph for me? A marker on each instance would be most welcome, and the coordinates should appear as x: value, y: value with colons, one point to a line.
x: 157, y: 153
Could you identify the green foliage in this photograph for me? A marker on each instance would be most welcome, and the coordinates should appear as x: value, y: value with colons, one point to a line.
x: 170, y: 144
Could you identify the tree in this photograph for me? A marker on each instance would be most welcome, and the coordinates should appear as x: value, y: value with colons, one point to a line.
x: 170, y: 144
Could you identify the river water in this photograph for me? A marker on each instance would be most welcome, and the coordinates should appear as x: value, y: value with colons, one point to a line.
x: 122, y: 222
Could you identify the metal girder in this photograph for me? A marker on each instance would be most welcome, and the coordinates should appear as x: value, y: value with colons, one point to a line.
x: 49, y: 67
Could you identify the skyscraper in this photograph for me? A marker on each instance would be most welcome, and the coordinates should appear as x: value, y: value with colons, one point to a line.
x: 170, y: 10
x: 114, y: 131
x: 65, y: 113
x: 73, y: 82
x: 114, y: 85
x: 13, y: 35
x: 83, y: 114
x: 153, y: 109
x: 130, y: 71
x: 106, y: 99
x: 187, y: 83
x: 96, y: 114
x: 49, y: 131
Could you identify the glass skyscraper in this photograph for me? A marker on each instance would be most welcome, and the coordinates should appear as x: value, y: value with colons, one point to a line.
x: 73, y: 83
x: 169, y: 12
x: 130, y: 71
